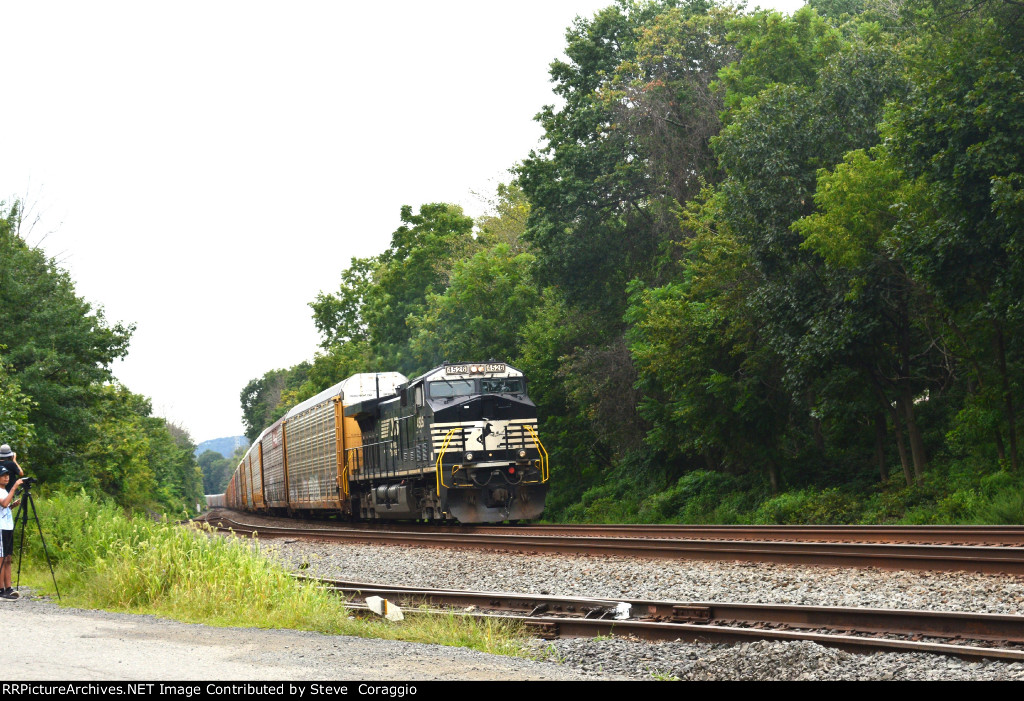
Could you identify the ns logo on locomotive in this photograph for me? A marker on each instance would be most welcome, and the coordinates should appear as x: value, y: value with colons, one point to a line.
x: 458, y: 442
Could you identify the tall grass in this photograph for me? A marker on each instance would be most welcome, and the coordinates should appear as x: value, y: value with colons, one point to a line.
x: 107, y: 559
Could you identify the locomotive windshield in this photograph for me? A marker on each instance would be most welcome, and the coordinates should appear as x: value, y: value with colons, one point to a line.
x: 452, y: 388
x: 502, y: 385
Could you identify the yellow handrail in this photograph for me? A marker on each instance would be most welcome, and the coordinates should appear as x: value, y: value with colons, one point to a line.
x: 339, y: 450
x: 545, y: 469
x: 440, y: 472
x: 344, y: 476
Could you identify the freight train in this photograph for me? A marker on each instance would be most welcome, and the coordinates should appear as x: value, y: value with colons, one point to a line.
x: 456, y: 443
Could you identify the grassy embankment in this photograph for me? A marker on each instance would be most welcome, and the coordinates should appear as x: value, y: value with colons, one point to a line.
x: 106, y: 559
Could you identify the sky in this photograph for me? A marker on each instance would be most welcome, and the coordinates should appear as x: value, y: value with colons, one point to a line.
x: 204, y: 169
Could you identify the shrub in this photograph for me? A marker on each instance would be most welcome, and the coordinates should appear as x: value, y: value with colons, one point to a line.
x: 1006, y: 507
x: 692, y: 499
x: 809, y: 506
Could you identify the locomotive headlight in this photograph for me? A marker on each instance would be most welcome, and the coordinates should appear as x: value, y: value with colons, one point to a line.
x: 522, y: 453
x: 469, y: 457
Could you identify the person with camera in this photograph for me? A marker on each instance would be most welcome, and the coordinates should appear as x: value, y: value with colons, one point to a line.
x: 7, y: 500
x: 9, y: 459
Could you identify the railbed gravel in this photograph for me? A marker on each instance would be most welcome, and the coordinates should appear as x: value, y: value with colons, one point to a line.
x: 694, y: 581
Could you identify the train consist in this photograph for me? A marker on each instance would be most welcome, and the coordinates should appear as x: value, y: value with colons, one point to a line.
x: 458, y: 442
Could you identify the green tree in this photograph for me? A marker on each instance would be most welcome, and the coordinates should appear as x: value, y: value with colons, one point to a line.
x: 712, y: 387
x: 876, y: 322
x: 419, y: 262
x: 118, y: 454
x: 549, y: 338
x: 506, y: 222
x: 261, y: 399
x: 666, y: 99
x: 590, y: 225
x: 777, y: 50
x: 15, y: 427
x: 961, y: 130
x: 481, y: 314
x: 771, y: 151
x: 216, y: 471
x: 339, y: 317
x: 59, y: 349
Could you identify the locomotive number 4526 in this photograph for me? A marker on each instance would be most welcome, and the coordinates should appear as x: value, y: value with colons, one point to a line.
x: 470, y: 369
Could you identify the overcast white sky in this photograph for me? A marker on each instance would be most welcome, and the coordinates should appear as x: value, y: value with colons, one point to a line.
x: 204, y: 169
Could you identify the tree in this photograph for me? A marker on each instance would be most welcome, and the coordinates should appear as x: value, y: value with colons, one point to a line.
x: 506, y: 222
x: 262, y: 398
x: 481, y: 314
x: 771, y: 150
x: 15, y: 427
x: 419, y: 263
x: 961, y: 130
x: 339, y: 317
x: 216, y: 471
x: 59, y: 349
x: 590, y: 223
x: 666, y: 99
x: 712, y: 387
x: 876, y: 321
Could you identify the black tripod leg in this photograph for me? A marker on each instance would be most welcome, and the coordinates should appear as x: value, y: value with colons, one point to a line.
x: 46, y: 551
x: 23, y: 517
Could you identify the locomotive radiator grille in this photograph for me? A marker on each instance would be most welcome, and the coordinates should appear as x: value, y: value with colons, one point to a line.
x: 515, y: 434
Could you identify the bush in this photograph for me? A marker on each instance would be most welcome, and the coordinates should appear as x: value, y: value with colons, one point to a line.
x: 1003, y: 508
x: 694, y: 498
x: 809, y: 506
x: 605, y: 509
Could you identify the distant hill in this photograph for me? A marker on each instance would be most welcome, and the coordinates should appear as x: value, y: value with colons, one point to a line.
x: 224, y: 446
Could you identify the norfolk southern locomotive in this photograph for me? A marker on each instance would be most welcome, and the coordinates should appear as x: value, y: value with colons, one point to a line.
x: 458, y: 442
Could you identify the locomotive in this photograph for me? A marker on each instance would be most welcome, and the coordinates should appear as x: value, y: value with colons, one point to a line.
x: 456, y: 443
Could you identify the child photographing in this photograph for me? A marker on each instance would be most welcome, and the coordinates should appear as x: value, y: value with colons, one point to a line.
x: 7, y: 500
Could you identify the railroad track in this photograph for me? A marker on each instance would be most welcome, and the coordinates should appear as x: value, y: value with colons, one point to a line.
x: 964, y: 635
x: 991, y: 559
x: 922, y: 535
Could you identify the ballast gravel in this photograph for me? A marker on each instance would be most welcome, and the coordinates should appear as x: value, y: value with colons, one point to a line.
x: 692, y: 581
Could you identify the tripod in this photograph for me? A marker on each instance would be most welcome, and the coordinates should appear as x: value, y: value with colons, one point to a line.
x: 22, y: 515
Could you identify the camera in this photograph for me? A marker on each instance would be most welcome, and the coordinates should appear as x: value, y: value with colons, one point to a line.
x: 28, y: 481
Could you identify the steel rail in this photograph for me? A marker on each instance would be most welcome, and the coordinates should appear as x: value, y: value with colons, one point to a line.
x: 1011, y: 535
x: 950, y: 624
x: 984, y: 559
x: 961, y: 535
x: 729, y: 622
